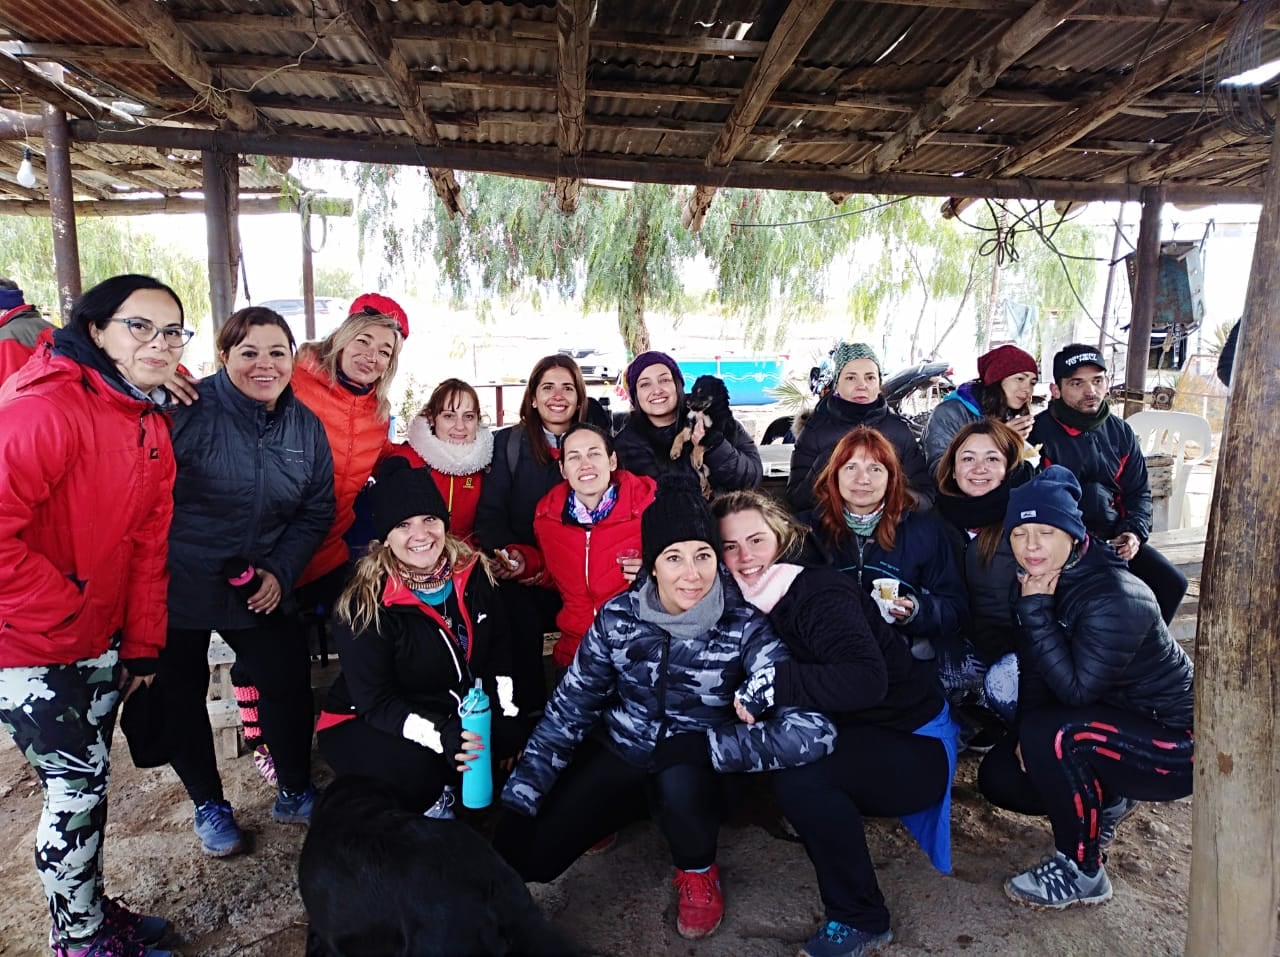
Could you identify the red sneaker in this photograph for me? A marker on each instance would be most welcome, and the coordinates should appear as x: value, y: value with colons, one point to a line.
x: 700, y: 903
x: 603, y: 845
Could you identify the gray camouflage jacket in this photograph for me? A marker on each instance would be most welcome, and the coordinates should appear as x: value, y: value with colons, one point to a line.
x: 615, y: 676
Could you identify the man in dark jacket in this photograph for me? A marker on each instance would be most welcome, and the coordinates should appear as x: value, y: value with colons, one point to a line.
x: 1078, y: 432
x: 21, y: 326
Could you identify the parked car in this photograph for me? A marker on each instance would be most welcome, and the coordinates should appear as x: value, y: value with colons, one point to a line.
x: 330, y: 311
x: 598, y: 365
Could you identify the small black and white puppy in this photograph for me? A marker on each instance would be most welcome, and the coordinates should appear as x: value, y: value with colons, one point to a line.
x: 708, y: 400
x: 379, y: 880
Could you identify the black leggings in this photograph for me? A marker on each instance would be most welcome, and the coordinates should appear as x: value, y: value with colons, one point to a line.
x: 275, y: 656
x: 414, y: 773
x: 597, y: 794
x: 1078, y: 761
x: 1163, y: 578
x: 874, y: 772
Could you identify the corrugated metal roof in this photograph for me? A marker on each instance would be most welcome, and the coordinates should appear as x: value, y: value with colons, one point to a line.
x: 661, y: 79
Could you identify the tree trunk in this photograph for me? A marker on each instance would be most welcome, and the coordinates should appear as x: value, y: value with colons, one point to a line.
x: 1235, y: 851
x: 635, y: 331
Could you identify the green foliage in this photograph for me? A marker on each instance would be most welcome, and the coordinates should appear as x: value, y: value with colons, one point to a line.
x: 108, y: 247
x: 336, y: 281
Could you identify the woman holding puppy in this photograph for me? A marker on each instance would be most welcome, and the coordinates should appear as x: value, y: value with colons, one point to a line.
x: 417, y: 625
x: 864, y: 524
x: 655, y: 677
x: 896, y: 748
x: 658, y: 415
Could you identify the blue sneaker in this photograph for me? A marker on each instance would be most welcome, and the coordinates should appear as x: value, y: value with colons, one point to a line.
x: 217, y: 830
x: 834, y: 939
x: 147, y: 929
x: 294, y: 807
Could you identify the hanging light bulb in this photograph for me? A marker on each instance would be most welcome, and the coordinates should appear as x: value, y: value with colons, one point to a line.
x: 26, y: 172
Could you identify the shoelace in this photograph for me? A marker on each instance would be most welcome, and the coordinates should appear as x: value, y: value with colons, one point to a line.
x: 1057, y: 881
x: 836, y: 932
x: 704, y: 884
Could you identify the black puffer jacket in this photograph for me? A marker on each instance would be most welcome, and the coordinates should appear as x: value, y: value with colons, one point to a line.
x: 831, y: 421
x: 1115, y: 491
x: 733, y: 459
x: 846, y: 662
x: 251, y: 484
x: 1100, y: 638
x: 411, y: 663
x: 509, y: 497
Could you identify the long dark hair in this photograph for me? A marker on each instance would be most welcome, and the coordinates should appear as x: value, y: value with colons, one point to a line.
x: 96, y: 306
x: 530, y: 420
x: 1009, y: 443
x: 897, y: 500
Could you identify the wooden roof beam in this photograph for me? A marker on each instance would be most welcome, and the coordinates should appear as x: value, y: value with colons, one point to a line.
x: 376, y: 36
x: 977, y: 76
x: 795, y: 27
x: 13, y: 156
x: 573, y: 32
x: 1169, y: 63
x: 1190, y: 149
x: 1133, y: 11
x: 39, y: 86
x: 247, y: 205
x: 171, y: 47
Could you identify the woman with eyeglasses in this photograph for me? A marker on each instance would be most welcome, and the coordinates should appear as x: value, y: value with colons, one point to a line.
x: 252, y: 502
x: 86, y: 496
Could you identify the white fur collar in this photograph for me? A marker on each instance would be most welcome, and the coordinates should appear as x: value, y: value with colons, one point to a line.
x: 445, y: 456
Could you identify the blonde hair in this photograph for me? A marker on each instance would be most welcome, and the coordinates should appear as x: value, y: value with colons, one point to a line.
x: 360, y: 604
x: 330, y: 349
x: 787, y: 530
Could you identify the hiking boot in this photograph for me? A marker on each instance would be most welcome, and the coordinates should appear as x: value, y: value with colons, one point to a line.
x: 294, y: 807
x: 1056, y: 884
x: 443, y: 809
x: 108, y: 943
x: 265, y: 764
x: 146, y: 929
x: 217, y: 830
x: 834, y: 939
x: 1109, y: 819
x: 699, y: 902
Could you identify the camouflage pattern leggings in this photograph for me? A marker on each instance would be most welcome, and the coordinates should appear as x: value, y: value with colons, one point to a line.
x: 61, y: 717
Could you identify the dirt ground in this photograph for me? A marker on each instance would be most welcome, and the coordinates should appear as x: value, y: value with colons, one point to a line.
x: 620, y: 902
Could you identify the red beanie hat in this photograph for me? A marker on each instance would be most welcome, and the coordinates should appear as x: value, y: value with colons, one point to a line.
x: 1001, y: 363
x: 379, y: 305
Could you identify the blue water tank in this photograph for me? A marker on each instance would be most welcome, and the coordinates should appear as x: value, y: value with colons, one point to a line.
x: 748, y: 378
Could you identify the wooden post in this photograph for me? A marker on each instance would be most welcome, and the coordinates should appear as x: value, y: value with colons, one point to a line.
x: 1235, y: 855
x: 221, y: 189
x: 308, y: 276
x: 1111, y: 281
x: 62, y: 207
x: 1144, y: 300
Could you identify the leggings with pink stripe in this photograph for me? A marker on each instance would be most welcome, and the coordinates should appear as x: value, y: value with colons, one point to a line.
x: 1078, y: 761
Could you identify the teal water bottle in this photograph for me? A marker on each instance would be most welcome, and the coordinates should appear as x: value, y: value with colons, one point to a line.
x: 477, y: 781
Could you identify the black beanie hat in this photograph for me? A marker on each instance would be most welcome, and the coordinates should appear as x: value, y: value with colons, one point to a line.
x: 399, y: 492
x: 1050, y: 498
x: 678, y: 513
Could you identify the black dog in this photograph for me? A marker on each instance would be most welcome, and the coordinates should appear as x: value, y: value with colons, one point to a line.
x: 708, y: 400
x: 378, y: 880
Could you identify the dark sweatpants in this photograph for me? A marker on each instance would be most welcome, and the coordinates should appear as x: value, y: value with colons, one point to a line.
x: 1164, y: 579
x: 275, y: 656
x: 873, y: 772
x: 1079, y: 760
x: 414, y: 773
x: 599, y: 793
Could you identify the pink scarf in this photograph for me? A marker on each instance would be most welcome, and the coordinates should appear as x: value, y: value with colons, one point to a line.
x: 767, y: 590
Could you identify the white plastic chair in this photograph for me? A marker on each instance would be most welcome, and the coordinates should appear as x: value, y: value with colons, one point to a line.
x: 1169, y: 432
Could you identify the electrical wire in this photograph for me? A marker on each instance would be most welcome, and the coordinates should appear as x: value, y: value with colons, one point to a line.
x: 822, y: 219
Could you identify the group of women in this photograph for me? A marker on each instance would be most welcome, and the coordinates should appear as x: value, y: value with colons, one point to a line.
x: 696, y: 640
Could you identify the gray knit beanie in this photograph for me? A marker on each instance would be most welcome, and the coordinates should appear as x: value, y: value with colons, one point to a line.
x: 846, y: 352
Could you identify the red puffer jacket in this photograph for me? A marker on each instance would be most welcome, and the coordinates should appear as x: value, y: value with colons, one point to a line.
x: 582, y: 563
x: 86, y: 496
x: 358, y: 440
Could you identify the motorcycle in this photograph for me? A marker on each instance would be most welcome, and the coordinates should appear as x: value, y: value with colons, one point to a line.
x: 912, y: 392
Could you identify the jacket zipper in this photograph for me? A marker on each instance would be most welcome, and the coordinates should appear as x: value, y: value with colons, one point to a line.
x: 586, y: 571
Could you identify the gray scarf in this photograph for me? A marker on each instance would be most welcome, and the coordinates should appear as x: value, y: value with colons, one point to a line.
x: 694, y: 623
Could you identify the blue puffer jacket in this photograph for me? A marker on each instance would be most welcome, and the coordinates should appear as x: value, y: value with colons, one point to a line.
x: 618, y: 677
x: 921, y: 559
x: 251, y: 484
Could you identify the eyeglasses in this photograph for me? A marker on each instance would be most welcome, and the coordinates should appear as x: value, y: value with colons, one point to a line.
x: 144, y: 330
